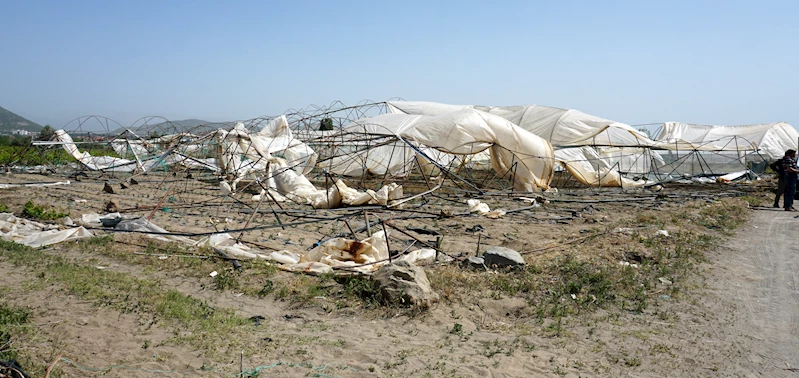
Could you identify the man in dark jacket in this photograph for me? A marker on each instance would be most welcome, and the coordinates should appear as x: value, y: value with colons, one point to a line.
x: 789, y: 167
x: 776, y: 166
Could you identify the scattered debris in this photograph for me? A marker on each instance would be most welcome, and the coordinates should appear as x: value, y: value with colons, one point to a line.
x: 257, y: 319
x: 423, y: 231
x: 475, y: 228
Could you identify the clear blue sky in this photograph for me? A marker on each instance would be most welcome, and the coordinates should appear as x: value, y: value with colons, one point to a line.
x: 713, y: 62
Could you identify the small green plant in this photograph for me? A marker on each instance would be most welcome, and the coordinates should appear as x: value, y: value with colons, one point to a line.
x: 4, y: 208
x: 268, y: 288
x: 226, y: 280
x: 9, y: 317
x: 41, y: 212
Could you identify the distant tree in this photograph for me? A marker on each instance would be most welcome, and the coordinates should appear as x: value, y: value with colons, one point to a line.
x: 21, y: 141
x: 326, y: 124
x: 647, y: 132
x: 47, y: 133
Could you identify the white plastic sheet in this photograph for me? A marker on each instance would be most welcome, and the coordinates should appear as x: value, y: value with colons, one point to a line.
x: 462, y: 132
x: 771, y: 139
x: 35, y: 234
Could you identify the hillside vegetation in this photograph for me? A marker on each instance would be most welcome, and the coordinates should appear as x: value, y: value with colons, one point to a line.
x: 10, y: 121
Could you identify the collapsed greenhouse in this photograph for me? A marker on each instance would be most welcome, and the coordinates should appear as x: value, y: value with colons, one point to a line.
x: 372, y: 163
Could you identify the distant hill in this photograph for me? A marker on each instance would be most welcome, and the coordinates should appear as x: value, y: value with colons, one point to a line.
x: 196, y: 126
x: 10, y: 121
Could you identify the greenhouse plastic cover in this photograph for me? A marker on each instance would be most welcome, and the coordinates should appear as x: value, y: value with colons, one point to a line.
x: 464, y: 131
x: 561, y: 127
x: 772, y: 139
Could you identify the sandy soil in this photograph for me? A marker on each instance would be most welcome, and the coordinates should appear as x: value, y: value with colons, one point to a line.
x: 739, y: 320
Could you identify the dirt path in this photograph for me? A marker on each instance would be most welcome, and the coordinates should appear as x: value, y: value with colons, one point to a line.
x: 759, y: 271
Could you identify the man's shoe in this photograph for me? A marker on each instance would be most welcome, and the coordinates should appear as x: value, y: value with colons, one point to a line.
x: 776, y: 206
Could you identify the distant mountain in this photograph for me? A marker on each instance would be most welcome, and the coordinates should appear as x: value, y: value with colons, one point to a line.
x: 10, y: 121
x: 195, y: 126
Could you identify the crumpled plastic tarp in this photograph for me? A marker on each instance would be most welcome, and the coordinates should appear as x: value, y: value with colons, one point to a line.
x: 480, y: 207
x: 361, y: 256
x: 464, y: 131
x: 35, y: 234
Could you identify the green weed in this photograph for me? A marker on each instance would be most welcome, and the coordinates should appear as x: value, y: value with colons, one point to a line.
x: 41, y: 212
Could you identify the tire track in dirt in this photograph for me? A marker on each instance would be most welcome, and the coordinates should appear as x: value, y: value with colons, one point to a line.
x: 762, y: 260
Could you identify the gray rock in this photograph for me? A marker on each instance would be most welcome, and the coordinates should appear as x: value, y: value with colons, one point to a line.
x: 502, y: 257
x: 404, y: 284
x: 474, y: 263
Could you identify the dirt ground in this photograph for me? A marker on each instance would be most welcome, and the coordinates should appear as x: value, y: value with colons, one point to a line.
x: 737, y: 319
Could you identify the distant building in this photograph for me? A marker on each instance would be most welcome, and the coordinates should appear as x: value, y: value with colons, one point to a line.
x: 21, y: 132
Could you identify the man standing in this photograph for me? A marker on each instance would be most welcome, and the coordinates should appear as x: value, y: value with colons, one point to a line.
x: 776, y: 166
x: 789, y: 166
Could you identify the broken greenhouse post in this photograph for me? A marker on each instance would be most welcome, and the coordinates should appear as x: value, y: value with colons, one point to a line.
x: 350, y: 228
x: 159, y: 204
x: 368, y: 228
x: 439, y: 239
x: 388, y: 247
x: 411, y: 236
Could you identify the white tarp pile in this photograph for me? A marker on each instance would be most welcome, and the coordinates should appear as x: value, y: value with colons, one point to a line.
x: 480, y: 207
x: 591, y: 168
x: 771, y: 139
x: 361, y: 256
x: 460, y: 132
x: 283, y: 161
x: 565, y: 128
x: 35, y: 234
x: 242, y: 152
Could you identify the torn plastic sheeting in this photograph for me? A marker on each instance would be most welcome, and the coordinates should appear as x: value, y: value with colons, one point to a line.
x: 229, y: 245
x: 383, y: 196
x: 590, y: 168
x: 477, y: 206
x: 95, y: 163
x: 94, y: 220
x: 152, y: 230
x: 732, y: 176
x: 35, y: 234
x: 363, y: 256
x: 300, y: 189
x: 34, y: 185
x: 462, y: 132
x: 242, y: 151
x: 337, y: 252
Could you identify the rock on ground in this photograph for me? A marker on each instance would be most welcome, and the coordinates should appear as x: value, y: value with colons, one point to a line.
x: 404, y: 284
x: 474, y: 263
x: 502, y: 257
